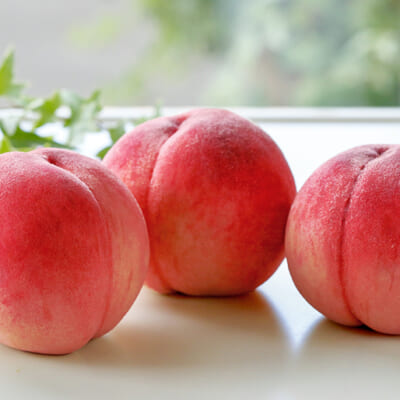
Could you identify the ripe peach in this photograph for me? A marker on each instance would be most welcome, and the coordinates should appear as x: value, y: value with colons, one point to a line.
x: 343, y: 238
x: 73, y: 250
x: 215, y: 191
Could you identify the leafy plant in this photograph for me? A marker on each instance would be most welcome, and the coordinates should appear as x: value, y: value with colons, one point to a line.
x: 24, y: 117
x: 9, y: 87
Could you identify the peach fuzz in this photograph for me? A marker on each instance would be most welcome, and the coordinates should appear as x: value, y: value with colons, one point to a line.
x: 343, y: 238
x: 215, y: 191
x: 71, y: 261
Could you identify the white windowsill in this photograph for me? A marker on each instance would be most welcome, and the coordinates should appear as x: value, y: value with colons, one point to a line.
x: 257, y: 114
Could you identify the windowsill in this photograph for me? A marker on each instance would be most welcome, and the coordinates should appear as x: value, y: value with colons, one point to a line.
x: 273, y: 114
x: 257, y: 114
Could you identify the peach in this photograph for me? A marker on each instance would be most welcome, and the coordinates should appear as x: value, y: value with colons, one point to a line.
x: 215, y: 191
x: 74, y: 250
x: 343, y: 238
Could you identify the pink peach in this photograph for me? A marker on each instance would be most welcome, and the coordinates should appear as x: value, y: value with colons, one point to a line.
x: 73, y: 250
x: 343, y: 238
x: 215, y: 191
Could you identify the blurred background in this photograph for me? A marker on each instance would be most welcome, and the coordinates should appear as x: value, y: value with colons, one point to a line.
x: 209, y: 52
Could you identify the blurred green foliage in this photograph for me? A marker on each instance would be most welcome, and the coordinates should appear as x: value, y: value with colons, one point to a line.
x: 15, y: 134
x: 20, y: 127
x: 273, y: 52
x: 104, y: 30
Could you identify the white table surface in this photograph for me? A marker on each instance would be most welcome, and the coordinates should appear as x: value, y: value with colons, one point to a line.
x: 269, y: 344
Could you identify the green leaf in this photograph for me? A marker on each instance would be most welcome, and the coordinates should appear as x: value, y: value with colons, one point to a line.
x: 46, y: 109
x: 8, y: 87
x: 71, y: 100
x: 9, y: 125
x: 117, y: 131
x: 83, y: 114
x: 101, y: 154
x: 5, y: 145
x: 20, y: 133
x: 25, y: 140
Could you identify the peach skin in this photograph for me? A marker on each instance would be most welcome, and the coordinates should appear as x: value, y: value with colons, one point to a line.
x: 215, y: 191
x: 71, y: 262
x: 343, y: 238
